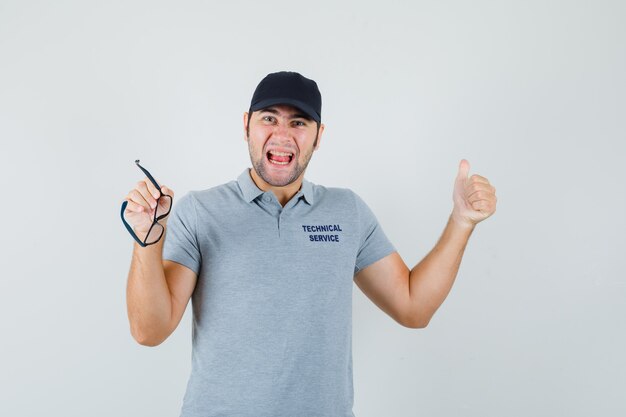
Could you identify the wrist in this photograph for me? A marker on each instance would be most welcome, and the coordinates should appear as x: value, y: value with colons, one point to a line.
x: 461, y: 223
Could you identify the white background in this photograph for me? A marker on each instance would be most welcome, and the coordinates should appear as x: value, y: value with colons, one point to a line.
x: 531, y: 93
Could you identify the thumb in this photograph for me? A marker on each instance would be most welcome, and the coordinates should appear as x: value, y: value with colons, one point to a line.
x: 464, y: 167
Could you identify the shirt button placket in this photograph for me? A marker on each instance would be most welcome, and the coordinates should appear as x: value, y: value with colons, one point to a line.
x: 268, y: 201
x: 279, y: 215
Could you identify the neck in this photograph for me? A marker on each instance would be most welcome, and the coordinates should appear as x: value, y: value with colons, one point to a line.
x: 284, y: 193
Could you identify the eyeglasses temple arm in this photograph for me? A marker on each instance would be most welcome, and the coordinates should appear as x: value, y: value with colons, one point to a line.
x: 150, y: 177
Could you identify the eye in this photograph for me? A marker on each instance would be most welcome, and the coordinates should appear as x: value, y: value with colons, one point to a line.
x: 268, y: 117
x: 301, y: 123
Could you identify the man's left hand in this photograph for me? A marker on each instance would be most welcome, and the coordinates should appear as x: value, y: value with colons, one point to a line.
x: 474, y: 198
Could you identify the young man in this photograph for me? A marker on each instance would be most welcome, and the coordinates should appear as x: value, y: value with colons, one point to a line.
x: 269, y: 260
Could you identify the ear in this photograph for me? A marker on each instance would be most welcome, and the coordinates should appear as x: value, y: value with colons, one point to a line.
x: 245, y: 123
x: 319, y: 136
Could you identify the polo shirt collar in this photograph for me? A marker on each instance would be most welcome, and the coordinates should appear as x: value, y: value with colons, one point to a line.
x: 251, y: 191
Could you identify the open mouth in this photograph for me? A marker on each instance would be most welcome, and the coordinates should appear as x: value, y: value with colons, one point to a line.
x: 279, y: 158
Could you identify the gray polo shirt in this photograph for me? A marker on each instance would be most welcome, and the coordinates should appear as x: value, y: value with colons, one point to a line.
x: 272, y: 307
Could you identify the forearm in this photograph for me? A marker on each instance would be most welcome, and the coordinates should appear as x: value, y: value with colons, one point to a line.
x: 432, y: 278
x: 148, y: 296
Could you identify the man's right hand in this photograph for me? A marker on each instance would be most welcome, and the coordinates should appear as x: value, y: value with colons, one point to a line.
x: 142, y: 203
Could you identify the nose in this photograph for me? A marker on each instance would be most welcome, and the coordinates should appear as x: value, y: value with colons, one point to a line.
x: 281, y: 131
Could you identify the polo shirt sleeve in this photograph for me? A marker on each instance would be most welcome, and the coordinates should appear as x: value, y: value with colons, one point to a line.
x: 181, y: 243
x: 374, y: 244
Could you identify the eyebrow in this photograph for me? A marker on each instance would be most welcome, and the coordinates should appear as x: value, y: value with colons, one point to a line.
x: 293, y: 116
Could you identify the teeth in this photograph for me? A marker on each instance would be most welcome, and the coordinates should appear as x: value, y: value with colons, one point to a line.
x: 281, y: 153
x: 278, y: 163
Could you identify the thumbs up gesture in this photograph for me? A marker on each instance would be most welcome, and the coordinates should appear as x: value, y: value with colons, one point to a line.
x: 474, y: 198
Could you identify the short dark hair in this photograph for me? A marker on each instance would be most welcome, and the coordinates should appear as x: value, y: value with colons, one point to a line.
x: 304, y: 116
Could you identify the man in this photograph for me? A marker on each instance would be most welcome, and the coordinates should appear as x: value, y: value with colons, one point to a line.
x: 269, y: 261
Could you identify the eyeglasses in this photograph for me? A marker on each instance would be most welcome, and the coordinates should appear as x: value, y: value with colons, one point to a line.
x: 162, y: 209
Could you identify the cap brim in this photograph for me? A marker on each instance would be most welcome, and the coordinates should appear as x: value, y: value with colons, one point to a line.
x: 296, y: 103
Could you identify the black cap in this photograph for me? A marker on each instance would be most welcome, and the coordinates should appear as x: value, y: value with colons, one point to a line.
x: 286, y: 87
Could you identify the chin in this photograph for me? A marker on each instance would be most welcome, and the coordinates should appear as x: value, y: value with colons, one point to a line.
x: 279, y: 178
